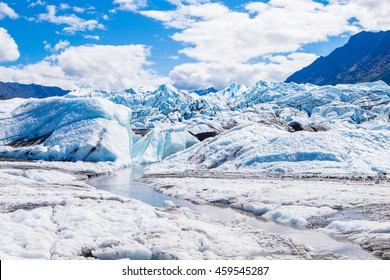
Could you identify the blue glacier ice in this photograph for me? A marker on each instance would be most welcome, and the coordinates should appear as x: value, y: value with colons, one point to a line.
x: 70, y: 129
x: 235, y: 128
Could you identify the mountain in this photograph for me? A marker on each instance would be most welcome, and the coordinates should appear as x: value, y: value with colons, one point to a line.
x: 365, y: 58
x: 14, y: 90
x: 205, y: 91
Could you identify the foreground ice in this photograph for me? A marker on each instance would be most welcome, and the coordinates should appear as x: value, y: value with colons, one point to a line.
x: 356, y: 210
x: 48, y: 214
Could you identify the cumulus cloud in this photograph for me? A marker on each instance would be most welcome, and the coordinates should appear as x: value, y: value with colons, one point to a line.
x: 78, y: 9
x: 130, y: 5
x: 187, y: 16
x: 37, y: 3
x: 372, y: 15
x: 206, y: 74
x: 61, y: 45
x: 273, y: 32
x: 192, y: 2
x: 6, y: 11
x: 73, y: 22
x: 214, y: 33
x: 64, y: 6
x: 92, y: 37
x: 8, y: 48
x: 44, y: 73
x: 89, y: 66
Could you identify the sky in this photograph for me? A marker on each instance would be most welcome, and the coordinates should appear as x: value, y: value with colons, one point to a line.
x: 192, y: 44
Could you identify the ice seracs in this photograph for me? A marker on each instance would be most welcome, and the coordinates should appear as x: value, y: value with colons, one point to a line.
x: 67, y: 129
x: 271, y: 128
x: 160, y: 143
x: 239, y: 128
x: 264, y: 148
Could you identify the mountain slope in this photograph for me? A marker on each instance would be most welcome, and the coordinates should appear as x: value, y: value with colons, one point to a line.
x: 205, y: 91
x: 365, y: 58
x: 13, y: 90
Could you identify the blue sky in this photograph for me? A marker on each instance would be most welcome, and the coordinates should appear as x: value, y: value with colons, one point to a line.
x: 192, y: 44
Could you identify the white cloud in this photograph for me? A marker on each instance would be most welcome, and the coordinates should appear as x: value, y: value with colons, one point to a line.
x: 92, y: 37
x: 92, y: 66
x: 8, y: 48
x: 64, y: 6
x: 6, y: 11
x: 173, y: 57
x: 73, y: 22
x: 37, y: 3
x: 217, y: 37
x: 186, y: 16
x: 78, y: 9
x: 47, y: 46
x: 192, y: 2
x: 130, y: 5
x: 43, y: 73
x: 206, y: 74
x: 214, y: 33
x: 61, y: 45
x: 372, y: 15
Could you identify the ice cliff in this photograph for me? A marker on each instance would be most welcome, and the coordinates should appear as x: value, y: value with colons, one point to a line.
x: 67, y: 129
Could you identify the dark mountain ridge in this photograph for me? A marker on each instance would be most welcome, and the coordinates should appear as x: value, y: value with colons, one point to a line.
x: 365, y: 58
x: 16, y: 90
x: 202, y: 92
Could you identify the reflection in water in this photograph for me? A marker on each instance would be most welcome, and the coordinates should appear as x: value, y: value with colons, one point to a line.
x: 122, y: 183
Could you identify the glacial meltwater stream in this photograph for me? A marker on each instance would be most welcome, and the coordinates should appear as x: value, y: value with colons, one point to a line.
x: 121, y: 183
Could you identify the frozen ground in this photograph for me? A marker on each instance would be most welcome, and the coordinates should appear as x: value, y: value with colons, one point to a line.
x: 49, y: 214
x: 355, y: 210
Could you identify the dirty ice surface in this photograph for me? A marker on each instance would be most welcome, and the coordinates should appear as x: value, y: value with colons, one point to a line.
x: 50, y: 214
x: 299, y: 203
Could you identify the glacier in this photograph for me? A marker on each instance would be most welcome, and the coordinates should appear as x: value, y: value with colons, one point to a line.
x: 283, y: 151
x: 267, y: 127
x: 256, y: 147
x: 67, y: 129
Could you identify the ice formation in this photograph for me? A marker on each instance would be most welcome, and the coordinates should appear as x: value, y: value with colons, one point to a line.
x: 67, y: 129
x: 49, y: 214
x: 271, y: 128
x: 268, y: 127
